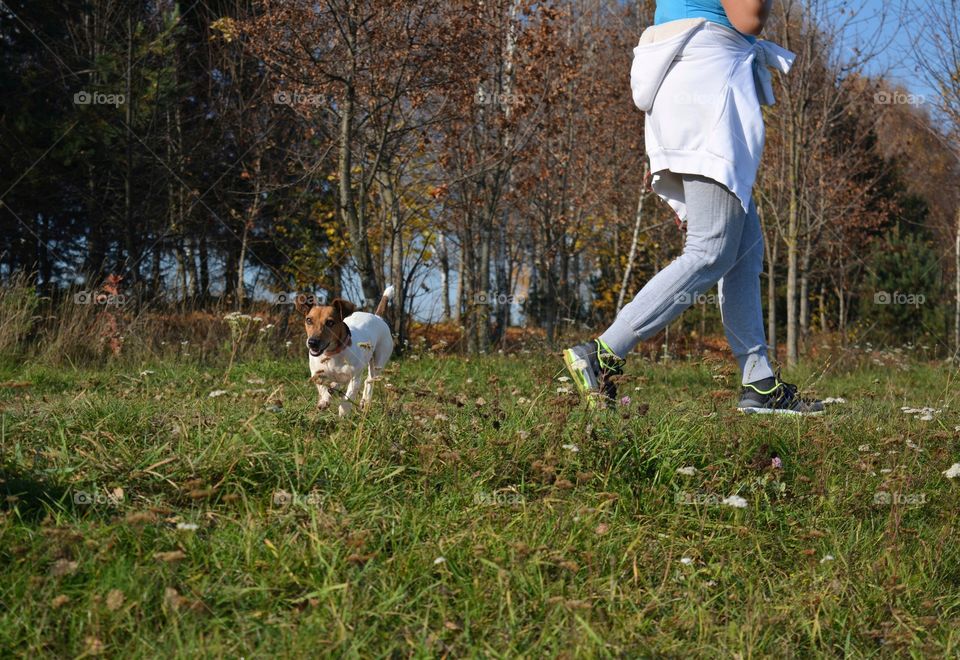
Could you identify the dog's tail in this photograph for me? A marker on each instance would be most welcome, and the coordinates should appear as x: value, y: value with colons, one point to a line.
x: 387, y: 295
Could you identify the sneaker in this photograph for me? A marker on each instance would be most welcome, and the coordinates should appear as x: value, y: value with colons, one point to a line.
x: 773, y: 396
x: 591, y: 364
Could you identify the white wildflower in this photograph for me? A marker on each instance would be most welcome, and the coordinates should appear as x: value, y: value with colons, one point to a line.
x: 686, y: 561
x: 572, y: 448
x: 687, y: 471
x: 953, y: 472
x: 735, y: 501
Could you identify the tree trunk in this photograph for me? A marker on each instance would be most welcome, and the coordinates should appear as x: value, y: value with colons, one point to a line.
x: 841, y: 315
x: 131, y: 231
x: 956, y: 311
x: 791, y: 242
x: 353, y: 211
x: 804, y: 308
x: 251, y: 217
x: 482, y: 321
x: 822, y: 308
x: 190, y: 261
x: 204, y: 267
x: 156, y: 270
x: 181, y: 270
x: 396, y: 267
x: 241, y: 262
x: 444, y: 256
x: 461, y: 290
x: 772, y: 248
x: 624, y: 282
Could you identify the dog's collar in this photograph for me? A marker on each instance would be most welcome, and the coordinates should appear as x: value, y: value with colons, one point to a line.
x: 342, y: 346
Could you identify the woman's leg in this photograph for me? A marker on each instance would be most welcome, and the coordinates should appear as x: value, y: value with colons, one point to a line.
x: 740, y: 304
x: 715, y: 221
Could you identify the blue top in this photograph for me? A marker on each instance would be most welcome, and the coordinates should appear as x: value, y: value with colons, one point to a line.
x: 712, y: 10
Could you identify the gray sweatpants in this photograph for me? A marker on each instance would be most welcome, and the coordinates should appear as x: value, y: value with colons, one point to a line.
x: 723, y: 244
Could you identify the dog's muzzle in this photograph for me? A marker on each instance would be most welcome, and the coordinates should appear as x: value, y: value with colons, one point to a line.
x: 316, y: 346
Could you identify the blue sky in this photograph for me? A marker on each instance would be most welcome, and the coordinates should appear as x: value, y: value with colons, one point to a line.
x: 893, y: 36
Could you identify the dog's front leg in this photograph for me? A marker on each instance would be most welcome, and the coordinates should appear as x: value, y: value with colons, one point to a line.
x: 346, y: 404
x: 323, y: 402
x: 323, y: 392
x: 372, y: 373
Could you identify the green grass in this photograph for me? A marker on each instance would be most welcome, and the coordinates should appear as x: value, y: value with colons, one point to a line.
x: 473, y: 511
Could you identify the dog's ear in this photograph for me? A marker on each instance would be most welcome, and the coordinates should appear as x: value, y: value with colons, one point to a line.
x: 305, y: 303
x: 343, y: 307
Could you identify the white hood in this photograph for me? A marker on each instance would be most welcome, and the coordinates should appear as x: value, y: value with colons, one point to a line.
x: 702, y: 85
x: 659, y: 46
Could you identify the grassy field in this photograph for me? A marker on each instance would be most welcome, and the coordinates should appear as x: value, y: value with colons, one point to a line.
x: 170, y: 509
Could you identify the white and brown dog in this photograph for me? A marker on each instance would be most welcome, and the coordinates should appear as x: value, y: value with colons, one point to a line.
x: 343, y: 344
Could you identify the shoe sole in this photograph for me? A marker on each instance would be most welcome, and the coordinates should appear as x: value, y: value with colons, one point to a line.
x: 778, y: 411
x: 570, y: 359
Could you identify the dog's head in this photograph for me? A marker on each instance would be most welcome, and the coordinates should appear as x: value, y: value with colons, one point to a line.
x: 324, y: 323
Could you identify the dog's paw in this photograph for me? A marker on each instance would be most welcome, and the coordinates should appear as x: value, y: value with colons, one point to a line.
x: 345, y: 409
x: 323, y: 404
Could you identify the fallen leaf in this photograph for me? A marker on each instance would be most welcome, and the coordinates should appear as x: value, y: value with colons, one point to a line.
x: 63, y: 567
x: 172, y: 556
x: 140, y: 517
x: 115, y: 600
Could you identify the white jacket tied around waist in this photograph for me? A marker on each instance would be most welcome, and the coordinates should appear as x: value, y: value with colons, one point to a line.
x: 701, y: 85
